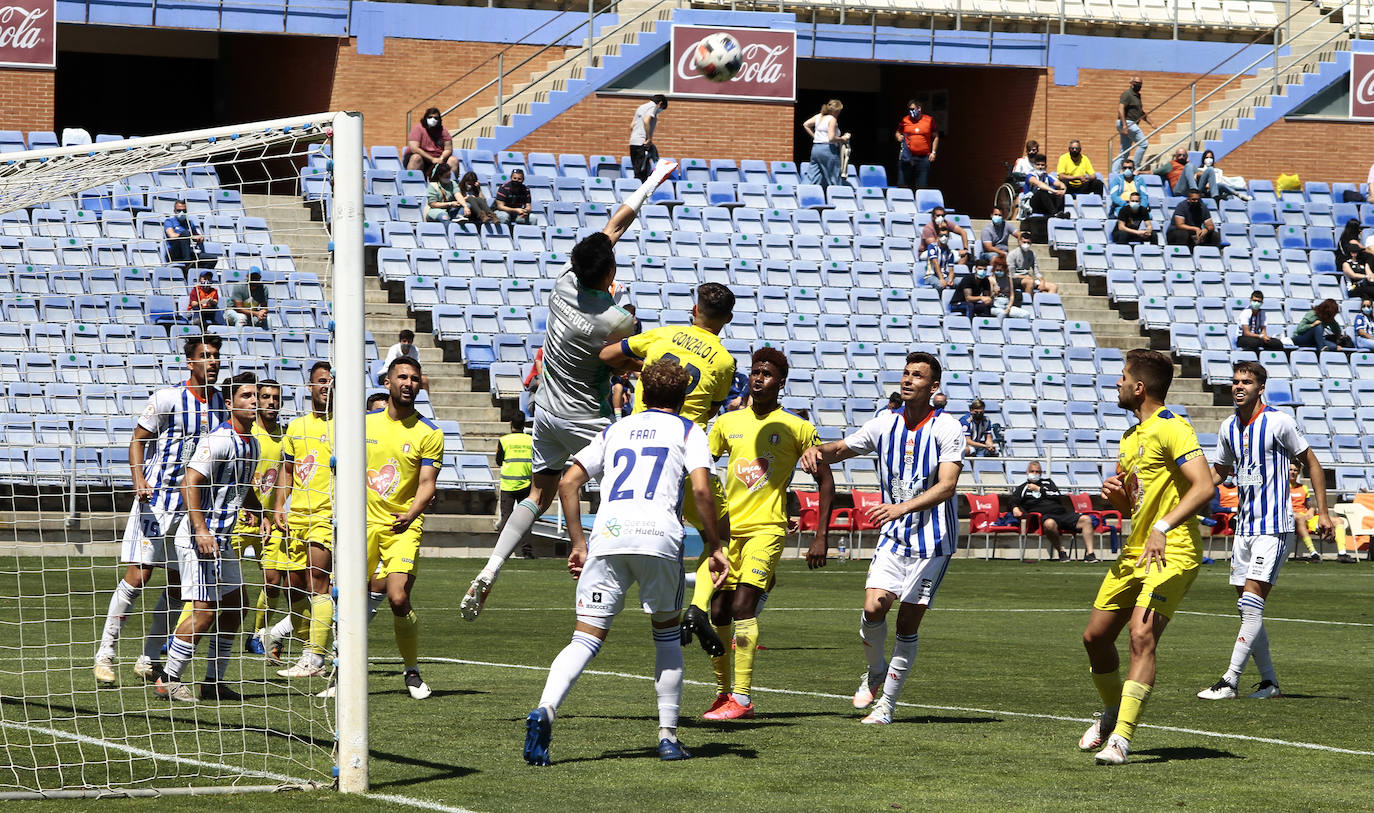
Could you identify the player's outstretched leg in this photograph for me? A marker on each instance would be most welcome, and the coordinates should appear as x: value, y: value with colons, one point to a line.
x: 521, y: 520
x: 564, y: 672
x: 1252, y: 634
x: 538, y: 733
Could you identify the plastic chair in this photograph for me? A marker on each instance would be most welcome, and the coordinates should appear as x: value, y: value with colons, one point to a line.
x: 984, y: 511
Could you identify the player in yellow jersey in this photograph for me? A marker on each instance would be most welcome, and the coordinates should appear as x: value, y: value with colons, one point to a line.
x: 710, y: 373
x: 763, y: 443
x: 1163, y: 480
x: 404, y: 453
x: 305, y: 512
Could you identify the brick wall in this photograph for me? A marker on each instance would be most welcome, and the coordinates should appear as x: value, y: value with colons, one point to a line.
x: 687, y: 129
x: 1316, y: 150
x: 26, y: 100
x: 384, y: 87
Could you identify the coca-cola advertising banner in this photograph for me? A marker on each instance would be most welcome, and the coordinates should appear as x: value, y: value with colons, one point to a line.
x: 1362, y: 86
x: 28, y: 33
x: 770, y: 65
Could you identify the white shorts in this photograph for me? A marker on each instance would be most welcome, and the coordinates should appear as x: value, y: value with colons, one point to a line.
x: 605, y: 580
x: 147, y: 537
x: 913, y: 580
x: 207, y: 578
x: 1259, y: 557
x: 557, y: 439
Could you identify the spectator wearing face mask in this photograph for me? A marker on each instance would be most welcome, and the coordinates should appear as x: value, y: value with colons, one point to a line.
x: 202, y: 304
x: 1130, y: 111
x: 1348, y: 245
x: 919, y: 138
x: 429, y: 143
x: 1364, y: 325
x: 938, y: 220
x: 1319, y: 327
x: 995, y: 235
x: 1075, y: 171
x: 513, y: 200
x: 1046, y: 191
x: 1133, y: 223
x: 1254, y: 329
x: 1123, y: 186
x: 1192, y: 224
x: 1025, y: 165
x: 1025, y: 269
x: 941, y: 258
x: 1216, y: 185
x: 475, y: 206
x: 1040, y: 495
x: 1358, y: 269
x: 1006, y: 298
x: 184, y: 238
x: 978, y: 438
x: 973, y: 292
x: 1179, y: 175
x: 248, y: 303
x: 442, y: 199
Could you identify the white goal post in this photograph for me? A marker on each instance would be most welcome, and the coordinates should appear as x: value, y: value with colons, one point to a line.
x: 92, y: 318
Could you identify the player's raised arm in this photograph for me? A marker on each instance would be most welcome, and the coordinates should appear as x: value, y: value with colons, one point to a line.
x: 824, y: 455
x: 619, y: 357
x: 570, y: 497
x: 705, y: 500
x: 625, y: 215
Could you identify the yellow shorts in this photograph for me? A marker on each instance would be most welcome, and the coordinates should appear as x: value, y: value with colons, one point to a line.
x: 753, y: 560
x: 306, y: 533
x: 1126, y: 585
x: 689, y: 503
x: 397, y: 553
x: 280, y: 552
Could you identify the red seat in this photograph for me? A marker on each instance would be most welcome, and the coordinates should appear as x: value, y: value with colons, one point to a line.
x: 841, y: 519
x: 983, y: 513
x: 863, y: 500
x: 1107, y: 520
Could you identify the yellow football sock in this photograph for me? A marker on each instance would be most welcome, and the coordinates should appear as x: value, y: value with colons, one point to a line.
x: 1108, y: 687
x: 1340, y: 539
x: 746, y: 640
x: 321, y: 617
x: 408, y: 637
x: 300, y: 619
x: 704, y: 588
x: 721, y: 663
x: 1307, y: 540
x: 1133, y: 697
x: 185, y: 614
x: 261, y: 610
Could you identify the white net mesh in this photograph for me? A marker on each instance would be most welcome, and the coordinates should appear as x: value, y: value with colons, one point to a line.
x: 94, y: 298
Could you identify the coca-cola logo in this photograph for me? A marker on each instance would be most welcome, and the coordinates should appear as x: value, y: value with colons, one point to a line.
x: 1362, y: 86
x: 769, y: 70
x: 27, y: 33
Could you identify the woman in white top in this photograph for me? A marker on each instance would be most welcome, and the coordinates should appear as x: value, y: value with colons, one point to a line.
x: 824, y: 130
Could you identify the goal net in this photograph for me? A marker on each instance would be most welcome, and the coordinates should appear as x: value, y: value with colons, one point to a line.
x: 102, y: 282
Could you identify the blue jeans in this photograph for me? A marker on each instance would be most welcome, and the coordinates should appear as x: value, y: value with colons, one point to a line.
x: 825, y: 165
x: 1362, y: 343
x: 1133, y: 136
x: 1212, y: 187
x: 1314, y: 337
x: 913, y: 173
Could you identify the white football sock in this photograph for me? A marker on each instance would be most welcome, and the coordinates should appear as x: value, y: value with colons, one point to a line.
x: 568, y: 666
x: 284, y: 628
x: 903, y: 654
x: 874, y: 636
x: 1260, y: 652
x: 1251, y: 609
x: 121, y: 603
x: 163, y: 619
x: 179, y: 653
x: 668, y: 669
x: 521, y: 519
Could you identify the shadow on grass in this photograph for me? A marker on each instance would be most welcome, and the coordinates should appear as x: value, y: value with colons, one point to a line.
x: 1180, y: 754
x: 929, y: 719
x: 433, y: 692
x: 703, y: 751
x: 434, y: 770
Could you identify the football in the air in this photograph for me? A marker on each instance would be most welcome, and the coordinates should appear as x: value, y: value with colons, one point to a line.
x: 719, y: 57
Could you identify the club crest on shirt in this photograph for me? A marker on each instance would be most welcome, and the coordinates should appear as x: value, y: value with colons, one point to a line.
x: 773, y: 439
x: 385, y: 480
x: 405, y: 448
x: 752, y: 473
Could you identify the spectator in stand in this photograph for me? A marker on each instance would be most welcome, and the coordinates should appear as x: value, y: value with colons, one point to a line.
x: 978, y: 437
x: 248, y: 303
x: 1215, y: 184
x: 642, y: 135
x: 1254, y: 330
x: 1046, y: 191
x: 940, y: 402
x: 1358, y: 269
x: 513, y: 200
x: 1123, y: 186
x: 184, y: 238
x: 739, y: 393
x: 1349, y: 243
x: 1076, y: 172
x: 202, y: 306
x: 931, y: 230
x: 973, y: 292
x: 474, y: 201
x: 919, y: 138
x: 1133, y: 223
x: 1192, y: 224
x: 1006, y: 298
x: 1040, y: 495
x: 404, y: 347
x: 622, y: 394
x: 1179, y: 176
x: 941, y: 261
x: 995, y: 234
x: 824, y: 129
x: 1025, y: 269
x: 1025, y: 165
x: 1130, y: 111
x: 429, y: 143
x: 1319, y: 328
x: 1364, y: 325
x: 443, y: 201
x: 377, y: 400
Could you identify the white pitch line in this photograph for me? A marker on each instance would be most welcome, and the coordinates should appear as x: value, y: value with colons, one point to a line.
x: 1311, y: 746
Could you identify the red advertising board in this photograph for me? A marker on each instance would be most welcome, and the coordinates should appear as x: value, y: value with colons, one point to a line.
x: 1362, y: 86
x: 28, y: 33
x: 769, y: 72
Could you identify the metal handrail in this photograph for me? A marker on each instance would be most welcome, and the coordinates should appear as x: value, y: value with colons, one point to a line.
x: 1272, y: 56
x: 534, y: 82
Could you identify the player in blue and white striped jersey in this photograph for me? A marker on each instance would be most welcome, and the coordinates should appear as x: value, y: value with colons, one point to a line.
x: 174, y: 421
x: 217, y: 485
x: 1257, y: 444
x: 920, y: 451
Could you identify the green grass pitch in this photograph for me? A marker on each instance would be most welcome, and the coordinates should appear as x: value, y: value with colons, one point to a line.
x: 989, y: 719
